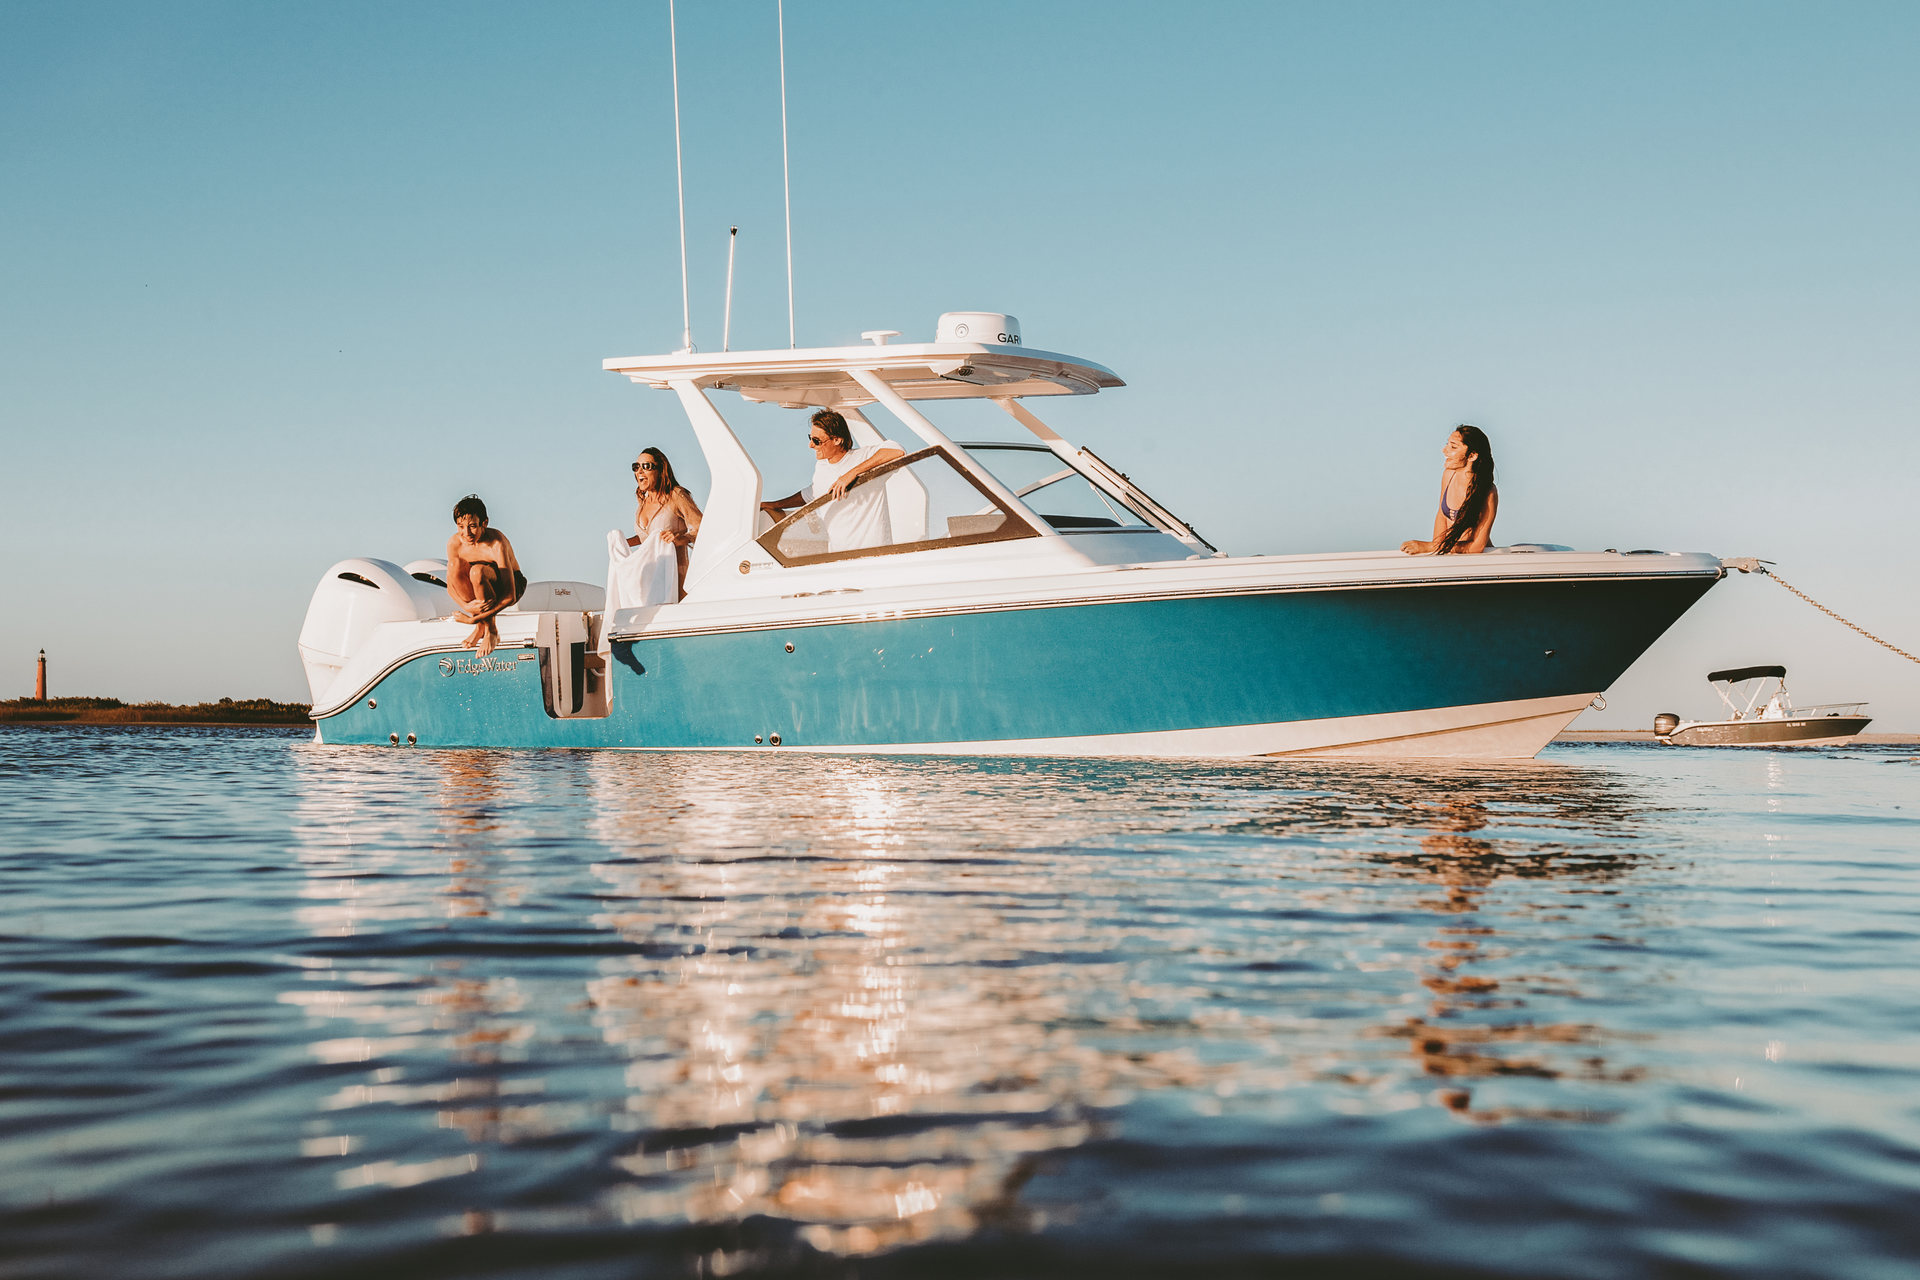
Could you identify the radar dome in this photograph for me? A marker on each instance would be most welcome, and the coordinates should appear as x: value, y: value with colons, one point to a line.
x: 978, y: 326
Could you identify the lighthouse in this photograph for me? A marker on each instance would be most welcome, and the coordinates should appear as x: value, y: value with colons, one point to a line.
x: 40, y: 678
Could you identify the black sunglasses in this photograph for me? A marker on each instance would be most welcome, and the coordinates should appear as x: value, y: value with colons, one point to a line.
x: 816, y: 440
x: 644, y: 466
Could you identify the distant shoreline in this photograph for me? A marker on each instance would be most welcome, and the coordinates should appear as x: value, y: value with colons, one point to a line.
x: 1646, y: 735
x: 93, y: 711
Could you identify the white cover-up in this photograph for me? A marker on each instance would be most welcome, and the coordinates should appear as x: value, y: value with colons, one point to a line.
x: 645, y: 574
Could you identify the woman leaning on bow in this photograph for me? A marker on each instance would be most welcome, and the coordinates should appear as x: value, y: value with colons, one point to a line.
x: 1468, y: 499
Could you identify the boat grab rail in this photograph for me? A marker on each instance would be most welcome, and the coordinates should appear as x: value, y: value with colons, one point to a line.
x: 1828, y: 709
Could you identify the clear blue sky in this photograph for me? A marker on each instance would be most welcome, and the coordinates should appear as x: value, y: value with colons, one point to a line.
x: 281, y: 282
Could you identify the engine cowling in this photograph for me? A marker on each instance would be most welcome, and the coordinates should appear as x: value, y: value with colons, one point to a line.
x: 353, y: 598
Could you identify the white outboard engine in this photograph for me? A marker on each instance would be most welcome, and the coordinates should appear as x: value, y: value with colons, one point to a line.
x: 1665, y: 723
x: 353, y: 598
x: 431, y: 572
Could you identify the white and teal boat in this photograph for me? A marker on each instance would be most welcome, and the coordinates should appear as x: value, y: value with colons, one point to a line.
x: 1032, y: 601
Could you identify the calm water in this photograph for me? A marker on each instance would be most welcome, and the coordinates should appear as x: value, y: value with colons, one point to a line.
x: 272, y: 1009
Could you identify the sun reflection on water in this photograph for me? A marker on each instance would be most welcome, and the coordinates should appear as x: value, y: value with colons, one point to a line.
x: 873, y: 1004
x: 371, y: 874
x: 794, y: 1050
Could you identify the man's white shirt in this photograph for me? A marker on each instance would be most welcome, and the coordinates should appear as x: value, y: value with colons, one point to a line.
x: 860, y: 519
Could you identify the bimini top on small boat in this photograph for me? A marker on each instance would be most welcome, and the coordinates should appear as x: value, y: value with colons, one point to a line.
x: 1736, y: 675
x: 1776, y: 722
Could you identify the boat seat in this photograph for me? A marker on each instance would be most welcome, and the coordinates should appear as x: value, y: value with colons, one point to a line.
x: 426, y: 585
x: 974, y: 526
x: 559, y: 595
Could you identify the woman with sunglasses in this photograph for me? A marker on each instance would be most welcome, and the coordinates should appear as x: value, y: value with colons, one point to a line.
x: 652, y: 566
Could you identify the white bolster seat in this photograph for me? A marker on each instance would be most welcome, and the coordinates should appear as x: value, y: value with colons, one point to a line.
x: 560, y: 595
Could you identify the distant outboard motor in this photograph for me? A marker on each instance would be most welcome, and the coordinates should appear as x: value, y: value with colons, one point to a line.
x: 1665, y: 723
x: 353, y: 598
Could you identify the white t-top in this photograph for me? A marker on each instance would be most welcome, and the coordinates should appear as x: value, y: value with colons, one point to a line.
x: 860, y: 519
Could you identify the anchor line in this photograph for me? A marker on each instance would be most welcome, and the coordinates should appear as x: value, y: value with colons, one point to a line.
x: 1758, y: 568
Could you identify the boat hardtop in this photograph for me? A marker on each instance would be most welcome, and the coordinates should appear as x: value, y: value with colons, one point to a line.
x: 985, y: 485
x: 822, y: 377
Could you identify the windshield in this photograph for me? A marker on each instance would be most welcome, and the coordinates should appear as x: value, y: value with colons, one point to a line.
x: 1055, y: 492
x: 915, y: 503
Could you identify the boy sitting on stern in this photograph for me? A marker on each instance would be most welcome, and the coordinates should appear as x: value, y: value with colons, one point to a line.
x: 483, y: 576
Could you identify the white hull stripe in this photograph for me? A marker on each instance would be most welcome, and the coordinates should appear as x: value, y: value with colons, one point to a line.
x: 1501, y: 730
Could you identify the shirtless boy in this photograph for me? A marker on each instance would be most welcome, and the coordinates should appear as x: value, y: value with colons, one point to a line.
x: 483, y: 576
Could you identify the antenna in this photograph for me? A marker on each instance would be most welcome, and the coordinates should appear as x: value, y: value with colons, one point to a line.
x: 726, y: 326
x: 680, y: 179
x: 786, y: 172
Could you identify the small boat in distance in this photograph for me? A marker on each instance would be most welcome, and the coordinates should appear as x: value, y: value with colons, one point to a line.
x: 1774, y: 722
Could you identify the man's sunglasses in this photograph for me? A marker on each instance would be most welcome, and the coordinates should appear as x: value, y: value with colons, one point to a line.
x: 816, y: 441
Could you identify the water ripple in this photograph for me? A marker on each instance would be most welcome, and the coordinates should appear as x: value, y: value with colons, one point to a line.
x: 275, y: 1009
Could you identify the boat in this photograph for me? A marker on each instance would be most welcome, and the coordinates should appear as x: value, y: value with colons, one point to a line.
x: 1752, y: 722
x: 1032, y: 599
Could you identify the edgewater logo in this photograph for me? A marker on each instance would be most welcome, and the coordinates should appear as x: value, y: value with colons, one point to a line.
x: 475, y: 666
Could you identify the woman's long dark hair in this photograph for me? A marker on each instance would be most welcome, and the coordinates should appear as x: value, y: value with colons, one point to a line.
x: 664, y: 481
x: 1479, y: 488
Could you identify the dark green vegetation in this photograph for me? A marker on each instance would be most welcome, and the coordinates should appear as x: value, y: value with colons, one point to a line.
x: 114, y: 711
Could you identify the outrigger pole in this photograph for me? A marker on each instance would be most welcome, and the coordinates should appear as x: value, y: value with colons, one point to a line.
x: 786, y: 172
x: 726, y: 324
x: 680, y: 182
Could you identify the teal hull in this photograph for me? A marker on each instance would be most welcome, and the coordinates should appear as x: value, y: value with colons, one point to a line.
x: 1080, y: 671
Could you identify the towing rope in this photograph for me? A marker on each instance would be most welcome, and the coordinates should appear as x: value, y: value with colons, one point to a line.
x: 1747, y: 565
